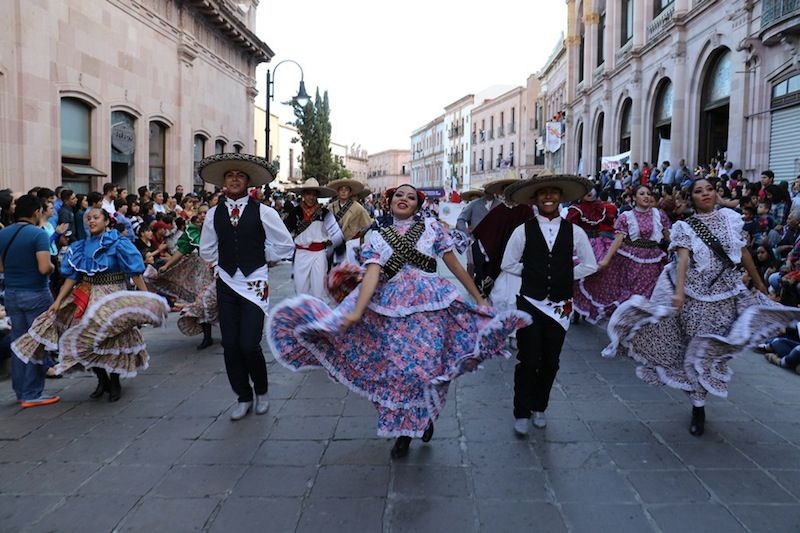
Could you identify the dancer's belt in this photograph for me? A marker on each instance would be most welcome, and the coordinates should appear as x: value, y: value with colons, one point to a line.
x: 641, y: 243
x: 105, y: 278
x: 313, y: 247
x: 593, y: 234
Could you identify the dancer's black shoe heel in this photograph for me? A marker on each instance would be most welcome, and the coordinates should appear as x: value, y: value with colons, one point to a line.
x: 207, y: 340
x: 103, y: 384
x: 115, y: 392
x: 697, y: 426
x: 400, y: 448
x: 428, y: 435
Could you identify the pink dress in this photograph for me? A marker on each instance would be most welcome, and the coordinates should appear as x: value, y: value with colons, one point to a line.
x: 633, y: 270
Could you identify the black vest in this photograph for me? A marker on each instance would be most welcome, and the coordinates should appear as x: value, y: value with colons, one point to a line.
x: 241, y: 247
x: 547, y: 274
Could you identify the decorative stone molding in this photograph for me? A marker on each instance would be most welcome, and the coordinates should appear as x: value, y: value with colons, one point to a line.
x: 661, y: 23
x: 219, y: 15
x: 573, y: 40
x: 624, y: 53
x: 591, y: 18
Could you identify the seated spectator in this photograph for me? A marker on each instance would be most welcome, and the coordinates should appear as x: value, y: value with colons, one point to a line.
x: 784, y: 351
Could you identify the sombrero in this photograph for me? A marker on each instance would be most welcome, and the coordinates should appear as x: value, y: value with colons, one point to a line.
x: 355, y: 186
x: 498, y: 186
x: 471, y: 194
x: 212, y: 169
x: 311, y: 184
x: 572, y: 187
x: 364, y: 193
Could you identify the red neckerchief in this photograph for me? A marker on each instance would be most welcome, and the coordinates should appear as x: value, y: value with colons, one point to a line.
x: 308, y: 212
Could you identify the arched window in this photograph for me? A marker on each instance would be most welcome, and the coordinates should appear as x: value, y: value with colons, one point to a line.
x: 157, y: 163
x: 237, y: 148
x: 715, y: 107
x: 76, y: 145
x: 625, y: 126
x: 598, y: 139
x: 662, y: 118
x: 123, y: 149
x: 219, y: 146
x: 199, y: 153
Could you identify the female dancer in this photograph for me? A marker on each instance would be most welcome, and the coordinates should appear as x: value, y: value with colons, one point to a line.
x: 93, y: 322
x: 633, y: 262
x: 700, y: 314
x: 409, y: 332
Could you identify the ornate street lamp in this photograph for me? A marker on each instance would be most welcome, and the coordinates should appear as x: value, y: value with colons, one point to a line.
x: 301, y: 98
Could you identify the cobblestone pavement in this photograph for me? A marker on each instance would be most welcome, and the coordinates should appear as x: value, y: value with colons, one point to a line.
x: 616, y: 455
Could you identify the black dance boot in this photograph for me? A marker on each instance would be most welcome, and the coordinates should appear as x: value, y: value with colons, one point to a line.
x: 207, y: 340
x: 115, y: 392
x: 428, y: 435
x: 697, y: 426
x: 103, y: 384
x: 400, y: 448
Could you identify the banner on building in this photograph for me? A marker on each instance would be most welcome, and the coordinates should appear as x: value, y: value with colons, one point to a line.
x: 433, y: 192
x: 664, y: 148
x: 614, y: 162
x: 553, y: 139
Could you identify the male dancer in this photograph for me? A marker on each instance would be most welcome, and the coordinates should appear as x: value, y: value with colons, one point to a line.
x: 351, y: 216
x: 314, y: 229
x: 467, y: 221
x: 241, y: 236
x: 541, y: 251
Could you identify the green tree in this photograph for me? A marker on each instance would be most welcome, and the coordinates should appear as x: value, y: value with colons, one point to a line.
x: 314, y: 126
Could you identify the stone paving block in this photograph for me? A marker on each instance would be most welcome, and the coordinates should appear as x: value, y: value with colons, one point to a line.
x: 304, y: 428
x: 12, y: 471
x: 748, y: 432
x: 788, y: 429
x: 252, y: 427
x: 351, y: 481
x: 445, y: 452
x: 499, y: 516
x: 52, y: 478
x: 696, y: 517
x: 639, y: 393
x: 509, y: 483
x: 179, y: 427
x: 588, y: 455
x: 357, y: 427
x: 768, y: 518
x: 485, y: 429
x: 290, y: 452
x: 16, y: 512
x: 594, y: 518
x: 590, y: 486
x: 720, y: 455
x: 358, y: 406
x: 147, y: 408
x: 278, y: 515
x: 357, y: 452
x: 197, y: 481
x: 17, y: 428
x: 555, y: 410
x: 65, y: 428
x: 230, y: 452
x: 86, y: 514
x: 562, y: 431
x: 621, y: 431
x: 412, y: 481
x: 432, y: 514
x: 134, y: 480
x: 744, y: 486
x: 340, y: 514
x: 518, y: 453
x: 648, y: 456
x: 153, y: 452
x: 321, y: 390
x: 650, y: 412
x: 122, y: 427
x: 32, y: 449
x: 668, y: 486
x: 612, y: 410
x: 313, y: 407
x: 790, y: 479
x: 89, y: 450
x: 276, y: 481
x: 170, y: 514
x: 781, y: 455
x: 678, y: 431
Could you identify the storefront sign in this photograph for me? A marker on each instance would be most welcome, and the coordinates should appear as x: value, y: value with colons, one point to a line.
x: 123, y: 138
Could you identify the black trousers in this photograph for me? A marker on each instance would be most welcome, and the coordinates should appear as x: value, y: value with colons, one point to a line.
x: 539, y: 352
x: 242, y: 324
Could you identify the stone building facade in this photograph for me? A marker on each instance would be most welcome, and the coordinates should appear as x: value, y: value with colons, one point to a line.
x: 496, y: 137
x: 129, y: 91
x: 428, y: 166
x: 357, y: 162
x: 387, y: 169
x: 684, y: 79
x: 458, y: 142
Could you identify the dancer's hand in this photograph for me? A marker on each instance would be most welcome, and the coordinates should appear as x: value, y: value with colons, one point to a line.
x: 677, y: 300
x: 602, y: 265
x: 482, y: 302
x: 351, y: 319
x: 53, y: 309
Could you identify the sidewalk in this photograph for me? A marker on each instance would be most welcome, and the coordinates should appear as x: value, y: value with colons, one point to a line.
x: 616, y: 456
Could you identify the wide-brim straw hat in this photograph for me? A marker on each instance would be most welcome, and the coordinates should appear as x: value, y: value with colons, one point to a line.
x: 311, y: 184
x: 364, y: 193
x: 471, y: 194
x: 212, y: 169
x: 572, y: 187
x: 355, y: 186
x: 498, y: 186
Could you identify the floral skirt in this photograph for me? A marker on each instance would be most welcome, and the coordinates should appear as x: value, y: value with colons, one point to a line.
x: 98, y: 332
x: 184, y: 281
x: 403, y: 364
x: 690, y: 349
x: 633, y: 271
x: 202, y: 311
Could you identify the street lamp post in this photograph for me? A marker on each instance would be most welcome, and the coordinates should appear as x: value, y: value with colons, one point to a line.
x: 302, y: 97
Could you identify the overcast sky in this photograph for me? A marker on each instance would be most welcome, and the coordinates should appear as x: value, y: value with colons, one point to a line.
x: 390, y: 67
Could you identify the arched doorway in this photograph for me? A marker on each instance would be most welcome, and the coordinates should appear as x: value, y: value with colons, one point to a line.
x: 625, y: 126
x: 123, y: 149
x: 598, y: 141
x: 715, y: 107
x: 662, y: 119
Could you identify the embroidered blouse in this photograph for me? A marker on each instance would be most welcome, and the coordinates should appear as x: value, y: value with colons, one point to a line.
x: 108, y: 252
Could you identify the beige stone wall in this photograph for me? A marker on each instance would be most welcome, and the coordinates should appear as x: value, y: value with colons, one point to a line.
x: 497, y: 127
x: 387, y: 169
x: 155, y: 59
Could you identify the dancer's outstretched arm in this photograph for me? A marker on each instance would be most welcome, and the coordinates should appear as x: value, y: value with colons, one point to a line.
x: 66, y: 289
x: 367, y: 289
x: 462, y: 276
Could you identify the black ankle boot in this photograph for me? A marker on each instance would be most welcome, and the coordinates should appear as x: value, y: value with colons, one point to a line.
x: 428, y: 435
x: 103, y: 384
x: 400, y: 448
x: 207, y: 340
x: 115, y: 391
x: 697, y: 426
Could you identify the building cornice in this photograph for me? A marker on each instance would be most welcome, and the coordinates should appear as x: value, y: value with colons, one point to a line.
x: 487, y: 104
x: 219, y: 15
x: 461, y: 102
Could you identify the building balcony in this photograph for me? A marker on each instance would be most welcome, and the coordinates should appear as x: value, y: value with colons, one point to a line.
x: 491, y: 135
x: 661, y: 23
x: 624, y: 53
x: 597, y: 75
x: 512, y: 128
x: 501, y: 132
x: 779, y: 18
